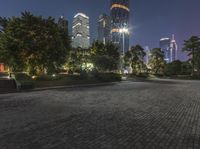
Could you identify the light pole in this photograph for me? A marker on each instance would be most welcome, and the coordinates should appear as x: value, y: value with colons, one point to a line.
x: 123, y: 31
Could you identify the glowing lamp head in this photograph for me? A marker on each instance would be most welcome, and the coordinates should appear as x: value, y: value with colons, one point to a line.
x: 124, y: 30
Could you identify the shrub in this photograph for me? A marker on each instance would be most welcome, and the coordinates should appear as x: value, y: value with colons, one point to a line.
x: 25, y: 81
x: 108, y: 77
x: 48, y: 77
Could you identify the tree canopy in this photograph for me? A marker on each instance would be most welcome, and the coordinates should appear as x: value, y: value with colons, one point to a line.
x: 134, y: 59
x: 192, y: 46
x: 157, y: 62
x: 34, y: 44
x: 105, y: 57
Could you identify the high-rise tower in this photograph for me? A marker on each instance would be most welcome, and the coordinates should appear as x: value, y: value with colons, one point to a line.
x: 62, y: 23
x: 174, y: 49
x: 80, y: 31
x: 165, y: 47
x: 170, y: 49
x: 120, y: 12
x: 104, y: 28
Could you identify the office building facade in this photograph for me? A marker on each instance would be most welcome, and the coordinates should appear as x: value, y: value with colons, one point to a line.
x: 120, y: 13
x: 169, y: 48
x: 104, y: 28
x: 80, y: 31
x: 165, y: 44
x: 174, y: 49
x: 63, y: 23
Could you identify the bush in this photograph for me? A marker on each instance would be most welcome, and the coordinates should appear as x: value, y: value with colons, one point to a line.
x: 108, y: 77
x: 24, y: 80
x: 48, y: 78
x: 22, y: 77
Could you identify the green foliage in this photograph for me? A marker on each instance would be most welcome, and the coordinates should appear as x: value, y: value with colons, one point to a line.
x: 173, y: 68
x: 134, y: 59
x: 24, y: 80
x: 157, y: 62
x: 192, y: 46
x: 108, y: 77
x: 105, y: 57
x: 48, y: 78
x: 186, y: 68
x: 34, y: 44
x: 77, y: 57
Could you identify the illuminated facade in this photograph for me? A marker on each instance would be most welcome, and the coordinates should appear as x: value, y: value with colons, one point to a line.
x: 104, y: 28
x: 80, y: 31
x: 170, y: 49
x: 120, y: 24
x: 174, y: 49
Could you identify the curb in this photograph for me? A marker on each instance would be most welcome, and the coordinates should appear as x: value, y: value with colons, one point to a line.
x: 60, y: 87
x: 71, y: 86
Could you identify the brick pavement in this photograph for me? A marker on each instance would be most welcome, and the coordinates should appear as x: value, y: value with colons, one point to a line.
x: 130, y: 115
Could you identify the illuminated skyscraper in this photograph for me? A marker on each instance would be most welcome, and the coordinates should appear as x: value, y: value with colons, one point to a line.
x: 170, y: 49
x: 147, y: 57
x: 174, y: 49
x: 120, y: 24
x: 104, y: 28
x: 165, y: 47
x: 80, y: 31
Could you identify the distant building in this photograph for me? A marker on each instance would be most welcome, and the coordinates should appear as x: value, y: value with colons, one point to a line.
x: 62, y: 23
x: 147, y: 57
x: 80, y: 31
x: 165, y: 44
x: 120, y: 13
x: 170, y: 49
x: 104, y: 28
x: 174, y: 49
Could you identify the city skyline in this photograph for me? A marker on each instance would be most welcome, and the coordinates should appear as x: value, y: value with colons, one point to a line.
x: 148, y: 24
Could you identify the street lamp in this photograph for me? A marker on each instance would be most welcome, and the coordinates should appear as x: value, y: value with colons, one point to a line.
x: 123, y: 31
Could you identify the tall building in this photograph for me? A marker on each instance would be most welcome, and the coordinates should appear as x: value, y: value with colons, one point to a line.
x: 62, y: 23
x: 148, y: 55
x: 174, y: 49
x: 165, y: 44
x: 170, y: 49
x: 120, y: 12
x: 104, y: 28
x: 80, y: 31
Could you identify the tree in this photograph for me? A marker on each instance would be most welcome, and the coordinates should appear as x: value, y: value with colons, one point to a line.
x: 105, y: 57
x: 192, y: 46
x: 157, y: 62
x: 186, y: 68
x: 173, y: 68
x: 34, y: 44
x: 134, y: 59
x: 77, y: 58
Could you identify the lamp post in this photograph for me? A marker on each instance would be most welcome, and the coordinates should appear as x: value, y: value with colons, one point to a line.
x: 123, y: 31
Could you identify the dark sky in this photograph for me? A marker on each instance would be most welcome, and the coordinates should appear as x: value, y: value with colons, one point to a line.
x: 150, y: 19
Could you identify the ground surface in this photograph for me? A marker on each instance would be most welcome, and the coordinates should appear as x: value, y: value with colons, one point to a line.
x: 160, y: 114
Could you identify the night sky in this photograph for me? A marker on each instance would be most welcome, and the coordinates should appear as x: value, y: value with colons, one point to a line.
x: 150, y: 19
